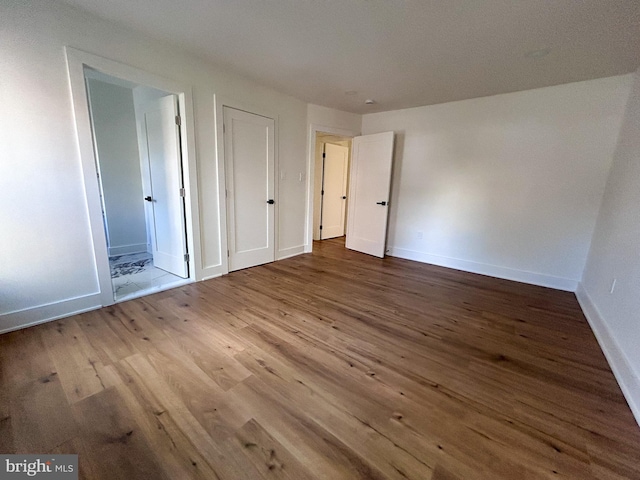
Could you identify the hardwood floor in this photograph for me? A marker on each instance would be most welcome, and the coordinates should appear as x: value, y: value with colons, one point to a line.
x: 334, y: 365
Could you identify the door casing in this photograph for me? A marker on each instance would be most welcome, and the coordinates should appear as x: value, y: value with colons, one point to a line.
x: 77, y: 61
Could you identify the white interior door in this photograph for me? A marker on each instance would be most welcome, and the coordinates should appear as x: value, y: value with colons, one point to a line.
x: 369, y: 193
x: 250, y: 179
x: 168, y: 237
x: 334, y: 188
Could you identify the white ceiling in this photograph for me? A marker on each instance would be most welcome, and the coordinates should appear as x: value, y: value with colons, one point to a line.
x: 402, y: 53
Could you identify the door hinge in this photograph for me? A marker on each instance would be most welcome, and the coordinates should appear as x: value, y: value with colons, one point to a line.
x: 322, y: 192
x: 324, y: 155
x: 320, y: 227
x: 224, y: 128
x: 227, y: 253
x: 182, y: 192
x: 186, y: 257
x: 178, y: 120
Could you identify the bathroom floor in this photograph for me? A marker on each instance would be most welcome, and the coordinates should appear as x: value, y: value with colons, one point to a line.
x: 134, y: 275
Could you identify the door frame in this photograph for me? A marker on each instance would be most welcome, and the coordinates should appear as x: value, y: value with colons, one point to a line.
x: 77, y: 60
x: 219, y: 102
x: 314, y: 128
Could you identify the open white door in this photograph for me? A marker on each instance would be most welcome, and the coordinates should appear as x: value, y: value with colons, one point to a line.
x: 250, y: 179
x: 168, y: 237
x: 334, y: 191
x: 369, y: 193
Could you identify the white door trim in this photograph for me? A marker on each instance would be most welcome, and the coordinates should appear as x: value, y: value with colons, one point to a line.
x: 219, y: 102
x: 76, y: 61
x: 314, y: 128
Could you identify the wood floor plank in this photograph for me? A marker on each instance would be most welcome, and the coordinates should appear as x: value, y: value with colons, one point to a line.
x: 384, y: 453
x: 115, y: 447
x: 40, y: 416
x: 224, y: 371
x: 331, y: 365
x: 268, y: 455
x: 179, y: 456
x: 6, y: 429
x: 109, y: 347
x: 74, y: 359
x: 319, y: 450
x: 76, y: 446
x: 191, y: 320
x: 39, y: 413
x: 201, y: 436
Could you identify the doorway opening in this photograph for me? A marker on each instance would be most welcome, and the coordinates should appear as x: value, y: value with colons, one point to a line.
x: 368, y: 187
x: 138, y: 159
x: 332, y: 160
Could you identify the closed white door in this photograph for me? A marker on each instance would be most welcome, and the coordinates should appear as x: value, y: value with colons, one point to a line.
x: 334, y: 191
x: 369, y: 189
x: 250, y: 179
x: 168, y: 236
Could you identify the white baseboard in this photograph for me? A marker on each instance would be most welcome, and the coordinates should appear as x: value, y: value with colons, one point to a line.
x: 484, y: 269
x: 46, y: 313
x: 127, y: 249
x: 627, y: 379
x: 290, y: 252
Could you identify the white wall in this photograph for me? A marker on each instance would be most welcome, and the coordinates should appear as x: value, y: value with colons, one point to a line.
x: 47, y: 266
x: 114, y: 125
x: 292, y: 182
x: 615, y: 255
x: 332, y: 119
x: 508, y: 185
